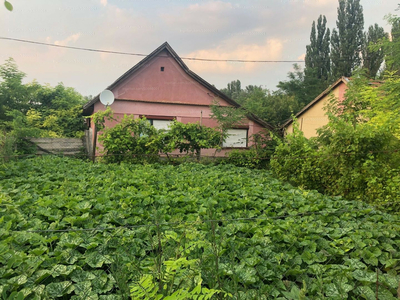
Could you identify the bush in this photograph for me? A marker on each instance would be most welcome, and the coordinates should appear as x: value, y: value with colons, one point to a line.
x: 132, y: 140
x: 137, y: 141
x: 358, y: 162
x: 259, y: 154
x: 189, y: 138
x: 7, y: 143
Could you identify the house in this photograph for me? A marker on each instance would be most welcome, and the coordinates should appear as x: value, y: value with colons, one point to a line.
x: 313, y: 115
x: 162, y: 88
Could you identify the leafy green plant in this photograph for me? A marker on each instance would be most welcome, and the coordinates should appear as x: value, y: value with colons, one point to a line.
x: 189, y: 138
x: 356, y: 154
x: 7, y: 142
x: 181, y: 281
x: 136, y: 140
x: 73, y: 229
x: 259, y: 154
x: 18, y: 134
x: 131, y: 140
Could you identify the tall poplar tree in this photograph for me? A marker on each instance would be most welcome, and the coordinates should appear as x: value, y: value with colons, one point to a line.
x: 372, y: 55
x: 317, y: 61
x: 347, y: 39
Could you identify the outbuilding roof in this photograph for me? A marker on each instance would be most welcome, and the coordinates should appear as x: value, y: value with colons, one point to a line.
x: 343, y: 79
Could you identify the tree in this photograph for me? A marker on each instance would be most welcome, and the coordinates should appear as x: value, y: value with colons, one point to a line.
x: 373, y: 57
x: 56, y: 111
x: 273, y: 107
x: 317, y: 60
x: 347, y: 40
x: 190, y: 138
x: 13, y: 94
x: 233, y: 90
x: 303, y: 89
x: 59, y: 108
x: 392, y: 46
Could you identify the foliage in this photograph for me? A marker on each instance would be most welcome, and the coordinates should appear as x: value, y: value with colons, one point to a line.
x: 303, y: 87
x: 317, y: 60
x: 355, y: 155
x: 19, y: 132
x: 100, y: 118
x: 347, y: 40
x: 136, y: 140
x: 273, y: 107
x: 227, y: 116
x: 13, y: 94
x: 55, y: 111
x: 7, y: 142
x: 234, y: 90
x: 258, y: 156
x: 245, y: 232
x: 8, y: 5
x: 58, y: 110
x: 372, y: 55
x: 391, y: 46
x: 181, y: 281
x: 190, y: 138
x: 131, y: 140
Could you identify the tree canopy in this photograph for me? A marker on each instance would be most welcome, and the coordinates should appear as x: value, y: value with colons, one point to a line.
x: 347, y: 39
x: 52, y: 111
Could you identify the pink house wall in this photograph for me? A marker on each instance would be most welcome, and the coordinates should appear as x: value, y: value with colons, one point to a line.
x: 172, y: 92
x: 171, y: 85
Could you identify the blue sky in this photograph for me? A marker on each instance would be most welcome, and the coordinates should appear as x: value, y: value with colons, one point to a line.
x: 252, y: 30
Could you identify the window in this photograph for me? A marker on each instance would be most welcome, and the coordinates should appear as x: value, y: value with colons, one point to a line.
x: 162, y: 69
x: 161, y: 124
x: 237, y: 138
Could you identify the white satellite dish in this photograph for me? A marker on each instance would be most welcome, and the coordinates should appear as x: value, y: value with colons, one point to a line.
x: 107, y: 97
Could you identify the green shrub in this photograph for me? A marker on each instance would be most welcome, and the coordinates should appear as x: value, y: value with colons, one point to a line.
x: 7, y: 142
x: 244, y: 158
x: 132, y: 140
x: 137, y: 141
x: 358, y: 161
x: 189, y: 138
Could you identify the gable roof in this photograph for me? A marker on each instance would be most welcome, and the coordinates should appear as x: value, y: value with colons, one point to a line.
x: 174, y: 55
x: 343, y: 79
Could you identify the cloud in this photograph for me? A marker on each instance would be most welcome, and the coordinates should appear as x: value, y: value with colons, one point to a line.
x: 71, y: 38
x: 103, y: 2
x: 302, y: 57
x: 320, y: 3
x: 271, y: 49
x: 213, y: 20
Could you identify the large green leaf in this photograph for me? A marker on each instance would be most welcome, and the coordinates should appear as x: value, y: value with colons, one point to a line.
x: 59, y: 289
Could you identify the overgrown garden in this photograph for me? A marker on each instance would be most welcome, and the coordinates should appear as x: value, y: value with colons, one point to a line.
x: 78, y: 230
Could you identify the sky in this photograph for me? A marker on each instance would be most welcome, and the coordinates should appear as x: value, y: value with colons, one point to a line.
x: 249, y: 30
